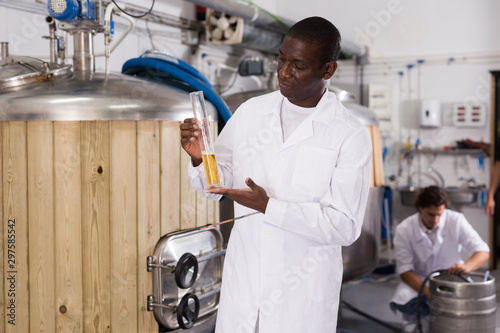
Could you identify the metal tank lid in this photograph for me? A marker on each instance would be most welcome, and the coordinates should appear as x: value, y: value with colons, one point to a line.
x: 68, y: 96
x: 18, y: 71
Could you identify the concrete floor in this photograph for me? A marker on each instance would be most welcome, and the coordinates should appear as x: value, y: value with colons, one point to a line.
x: 371, y: 295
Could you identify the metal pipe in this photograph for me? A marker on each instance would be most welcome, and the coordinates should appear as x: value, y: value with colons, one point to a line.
x: 62, y: 47
x: 83, y: 56
x: 53, y: 38
x: 441, y: 179
x: 247, y: 12
x: 5, y: 49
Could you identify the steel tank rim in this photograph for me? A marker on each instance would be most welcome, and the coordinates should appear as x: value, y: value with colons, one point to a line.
x: 95, y: 97
x: 460, y: 291
x: 488, y: 282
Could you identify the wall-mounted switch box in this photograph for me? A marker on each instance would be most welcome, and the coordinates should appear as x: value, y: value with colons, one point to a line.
x: 469, y: 115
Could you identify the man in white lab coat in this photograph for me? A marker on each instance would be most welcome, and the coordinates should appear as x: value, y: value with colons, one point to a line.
x: 431, y: 240
x: 299, y: 157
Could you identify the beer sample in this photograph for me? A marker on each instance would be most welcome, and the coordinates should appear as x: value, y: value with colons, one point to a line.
x: 210, y: 169
x: 205, y: 140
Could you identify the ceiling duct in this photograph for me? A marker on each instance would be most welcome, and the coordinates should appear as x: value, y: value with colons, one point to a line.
x: 236, y: 23
x: 231, y: 22
x: 249, y: 13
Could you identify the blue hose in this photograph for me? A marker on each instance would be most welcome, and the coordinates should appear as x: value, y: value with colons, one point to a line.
x: 345, y: 330
x: 173, y: 71
x: 178, y: 63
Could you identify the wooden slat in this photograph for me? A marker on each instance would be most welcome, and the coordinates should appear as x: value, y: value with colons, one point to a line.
x: 41, y: 226
x: 188, y: 195
x: 148, y: 215
x: 95, y: 148
x: 201, y: 210
x: 170, y: 176
x: 378, y: 163
x: 3, y: 248
x: 68, y: 226
x: 212, y: 212
x: 15, y: 219
x: 123, y: 221
x: 216, y: 212
x: 372, y: 173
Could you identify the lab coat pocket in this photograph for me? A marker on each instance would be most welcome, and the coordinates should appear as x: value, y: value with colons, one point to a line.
x: 313, y: 170
x: 325, y: 278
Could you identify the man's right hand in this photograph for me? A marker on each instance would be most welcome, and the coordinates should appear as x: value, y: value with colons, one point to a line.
x: 189, y: 140
x: 489, y: 208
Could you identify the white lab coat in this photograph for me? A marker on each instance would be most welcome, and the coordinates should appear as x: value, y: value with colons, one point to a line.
x: 415, y: 251
x: 284, y: 269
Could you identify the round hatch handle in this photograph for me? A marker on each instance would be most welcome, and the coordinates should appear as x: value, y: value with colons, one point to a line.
x: 185, y: 312
x: 186, y: 263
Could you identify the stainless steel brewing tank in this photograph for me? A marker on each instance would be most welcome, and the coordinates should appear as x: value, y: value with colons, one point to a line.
x: 362, y: 256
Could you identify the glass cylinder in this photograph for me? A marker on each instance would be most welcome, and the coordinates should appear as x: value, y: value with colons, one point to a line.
x: 205, y: 141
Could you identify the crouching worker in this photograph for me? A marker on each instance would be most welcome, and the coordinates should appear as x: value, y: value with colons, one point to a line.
x: 431, y: 240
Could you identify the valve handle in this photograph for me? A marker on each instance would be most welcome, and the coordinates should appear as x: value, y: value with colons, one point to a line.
x: 184, y: 312
x: 186, y: 262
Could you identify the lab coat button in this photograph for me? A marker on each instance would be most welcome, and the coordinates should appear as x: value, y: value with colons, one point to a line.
x: 270, y: 194
x: 279, y: 155
x: 267, y: 234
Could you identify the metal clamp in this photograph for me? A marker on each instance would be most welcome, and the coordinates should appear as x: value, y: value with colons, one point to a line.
x: 174, y: 305
x: 187, y: 309
x: 186, y: 315
x: 187, y: 263
x: 151, y: 263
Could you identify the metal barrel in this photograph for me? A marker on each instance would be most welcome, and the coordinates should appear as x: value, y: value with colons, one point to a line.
x: 460, y: 306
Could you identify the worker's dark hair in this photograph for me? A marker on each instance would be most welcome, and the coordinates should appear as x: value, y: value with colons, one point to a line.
x: 317, y: 30
x: 431, y: 196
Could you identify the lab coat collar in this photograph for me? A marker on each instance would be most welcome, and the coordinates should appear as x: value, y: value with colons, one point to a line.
x: 326, y: 100
x: 421, y: 234
x: 323, y: 113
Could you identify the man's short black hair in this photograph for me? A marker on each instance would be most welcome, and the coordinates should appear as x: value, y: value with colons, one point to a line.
x: 317, y: 30
x: 431, y: 196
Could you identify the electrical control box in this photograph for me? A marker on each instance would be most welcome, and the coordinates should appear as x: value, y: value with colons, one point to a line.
x: 469, y: 115
x: 430, y: 113
x: 383, y: 99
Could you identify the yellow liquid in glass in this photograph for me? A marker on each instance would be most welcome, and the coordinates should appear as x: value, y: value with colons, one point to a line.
x: 210, y: 169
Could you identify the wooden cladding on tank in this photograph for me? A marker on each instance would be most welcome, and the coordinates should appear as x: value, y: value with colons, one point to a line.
x: 377, y: 171
x: 83, y: 205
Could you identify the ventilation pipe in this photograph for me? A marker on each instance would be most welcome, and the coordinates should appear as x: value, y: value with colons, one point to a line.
x: 265, y: 31
x: 5, y: 49
x: 249, y: 13
x: 53, y: 37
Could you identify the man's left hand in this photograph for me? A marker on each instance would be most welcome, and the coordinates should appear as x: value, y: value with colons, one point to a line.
x: 254, y: 197
x: 458, y: 269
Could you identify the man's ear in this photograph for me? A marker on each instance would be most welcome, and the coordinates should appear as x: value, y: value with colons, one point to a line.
x: 330, y: 69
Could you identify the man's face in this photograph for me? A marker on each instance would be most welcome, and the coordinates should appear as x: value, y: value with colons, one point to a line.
x: 301, y: 74
x: 430, y: 215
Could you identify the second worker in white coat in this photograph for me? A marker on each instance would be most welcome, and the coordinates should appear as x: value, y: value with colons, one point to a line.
x: 432, y: 240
